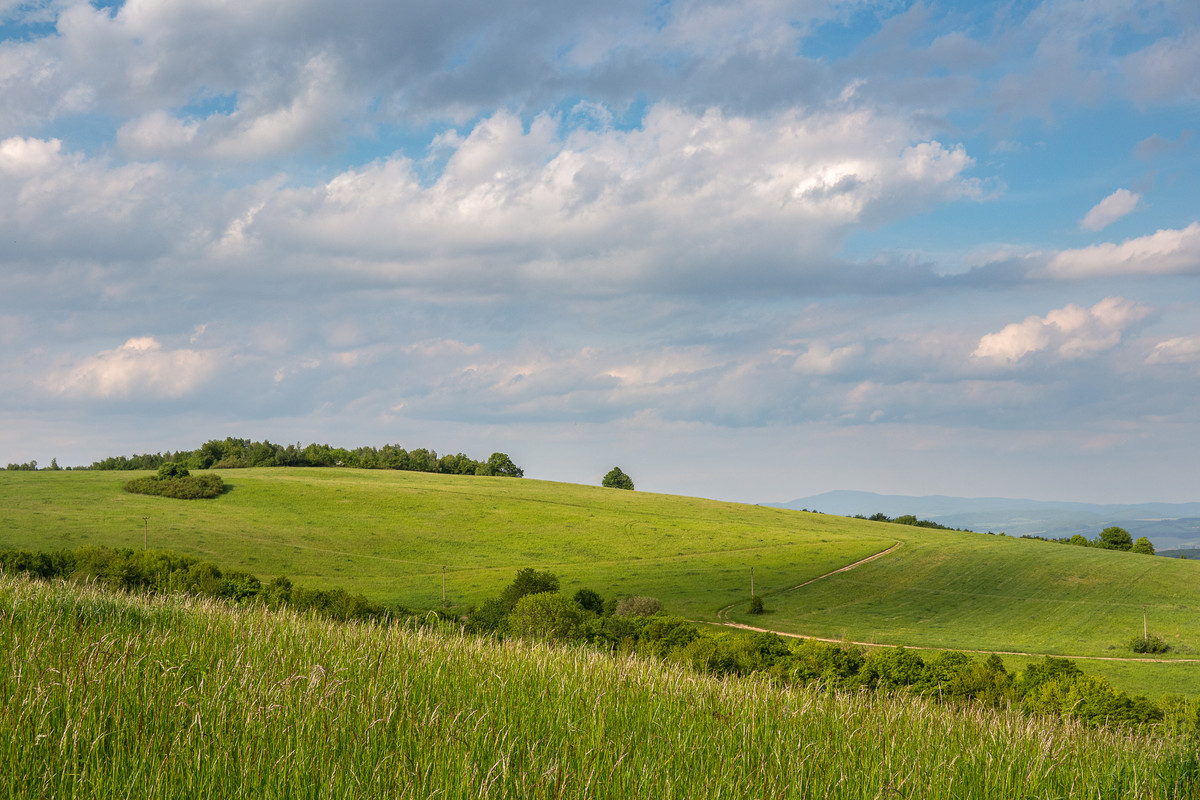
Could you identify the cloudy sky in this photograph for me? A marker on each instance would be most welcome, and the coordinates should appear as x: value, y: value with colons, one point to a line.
x: 746, y: 250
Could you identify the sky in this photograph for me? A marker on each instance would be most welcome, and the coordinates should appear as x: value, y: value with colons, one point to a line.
x: 749, y: 251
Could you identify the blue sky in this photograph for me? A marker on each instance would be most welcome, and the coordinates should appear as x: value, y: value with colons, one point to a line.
x: 751, y: 251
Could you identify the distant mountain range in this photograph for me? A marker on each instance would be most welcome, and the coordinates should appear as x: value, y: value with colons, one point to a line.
x: 1168, y: 525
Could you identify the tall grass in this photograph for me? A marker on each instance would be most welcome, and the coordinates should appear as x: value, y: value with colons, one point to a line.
x: 113, y: 696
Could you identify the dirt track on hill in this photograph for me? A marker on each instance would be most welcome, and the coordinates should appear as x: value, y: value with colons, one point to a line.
x: 723, y: 615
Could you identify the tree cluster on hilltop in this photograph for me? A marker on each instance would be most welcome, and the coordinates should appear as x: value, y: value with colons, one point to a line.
x: 233, y: 453
x: 1111, y: 538
x: 909, y: 519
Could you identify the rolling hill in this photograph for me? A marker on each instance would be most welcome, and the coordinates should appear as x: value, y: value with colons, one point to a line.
x: 389, y: 534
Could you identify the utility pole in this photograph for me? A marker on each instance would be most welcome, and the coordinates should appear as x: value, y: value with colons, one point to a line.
x: 147, y: 532
x: 1145, y: 630
x: 752, y: 581
x: 443, y: 587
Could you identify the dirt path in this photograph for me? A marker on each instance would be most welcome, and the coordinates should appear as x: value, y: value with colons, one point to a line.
x: 723, y: 615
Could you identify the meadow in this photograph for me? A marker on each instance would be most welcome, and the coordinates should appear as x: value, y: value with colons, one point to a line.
x: 388, y: 535
x: 118, y: 696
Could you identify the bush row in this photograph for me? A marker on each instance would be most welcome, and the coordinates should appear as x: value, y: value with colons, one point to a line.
x: 162, y: 571
x: 532, y: 607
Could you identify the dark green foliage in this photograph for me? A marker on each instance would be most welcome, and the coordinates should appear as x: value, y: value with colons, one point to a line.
x: 836, y: 666
x: 528, y: 581
x: 907, y: 519
x: 756, y: 605
x: 892, y: 668
x: 1149, y: 644
x: 232, y: 453
x: 186, y: 487
x: 163, y: 572
x: 501, y: 464
x: 616, y: 479
x: 29, y: 466
x: 590, y: 601
x: 1114, y: 538
x: 171, y: 470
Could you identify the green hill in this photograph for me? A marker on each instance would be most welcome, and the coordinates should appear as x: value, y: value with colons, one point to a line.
x: 389, y: 534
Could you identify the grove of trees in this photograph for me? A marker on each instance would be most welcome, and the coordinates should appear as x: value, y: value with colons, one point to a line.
x: 233, y: 453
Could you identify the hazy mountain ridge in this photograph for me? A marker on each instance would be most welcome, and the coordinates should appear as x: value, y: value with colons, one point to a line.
x: 1167, y: 525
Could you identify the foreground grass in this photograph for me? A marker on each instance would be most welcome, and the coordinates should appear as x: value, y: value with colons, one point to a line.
x: 114, y: 696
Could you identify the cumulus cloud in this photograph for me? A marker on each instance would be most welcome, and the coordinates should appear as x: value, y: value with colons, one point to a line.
x: 1110, y: 209
x: 681, y: 198
x: 1164, y: 252
x: 139, y: 369
x: 1071, y: 332
x: 57, y: 203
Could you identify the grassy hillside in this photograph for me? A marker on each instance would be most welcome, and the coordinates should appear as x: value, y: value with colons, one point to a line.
x: 388, y: 534
x: 116, y: 696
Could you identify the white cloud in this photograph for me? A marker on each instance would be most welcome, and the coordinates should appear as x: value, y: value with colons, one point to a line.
x: 685, y: 195
x: 140, y: 369
x: 1072, y: 332
x: 1110, y: 209
x: 1180, y: 350
x: 821, y: 359
x: 1164, y: 252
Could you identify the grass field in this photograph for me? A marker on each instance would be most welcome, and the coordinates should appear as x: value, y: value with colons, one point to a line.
x: 388, y: 534
x: 118, y: 696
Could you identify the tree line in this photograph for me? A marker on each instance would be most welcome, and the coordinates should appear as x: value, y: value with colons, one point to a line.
x: 234, y: 453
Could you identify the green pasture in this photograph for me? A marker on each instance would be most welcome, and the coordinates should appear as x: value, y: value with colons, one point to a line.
x: 388, y: 535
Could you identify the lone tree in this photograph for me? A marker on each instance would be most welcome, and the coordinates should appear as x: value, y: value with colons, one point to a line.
x: 1115, y: 538
x: 1143, y: 546
x: 616, y: 479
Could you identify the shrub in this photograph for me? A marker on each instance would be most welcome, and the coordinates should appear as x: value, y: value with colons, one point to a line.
x: 638, y: 607
x: 184, y: 487
x: 1148, y: 644
x: 756, y: 604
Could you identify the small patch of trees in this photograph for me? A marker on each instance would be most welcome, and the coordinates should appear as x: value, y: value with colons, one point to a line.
x: 616, y: 479
x: 1111, y: 538
x: 908, y: 519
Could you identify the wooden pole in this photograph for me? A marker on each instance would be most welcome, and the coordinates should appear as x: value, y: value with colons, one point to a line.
x: 1145, y: 630
x: 752, y: 581
x: 147, y: 533
x: 443, y: 587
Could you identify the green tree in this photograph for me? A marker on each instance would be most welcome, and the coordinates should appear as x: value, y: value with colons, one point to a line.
x: 528, y: 581
x: 501, y: 464
x: 616, y: 479
x: 1143, y: 546
x: 590, y: 601
x: 1114, y: 538
x: 756, y: 605
x: 547, y: 615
